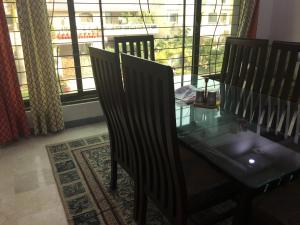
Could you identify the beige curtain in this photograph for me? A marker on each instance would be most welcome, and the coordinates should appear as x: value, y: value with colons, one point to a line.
x: 43, y: 88
x: 247, y: 10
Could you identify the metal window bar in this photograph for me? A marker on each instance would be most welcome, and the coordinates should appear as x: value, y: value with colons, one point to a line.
x: 210, y: 41
x: 178, y: 40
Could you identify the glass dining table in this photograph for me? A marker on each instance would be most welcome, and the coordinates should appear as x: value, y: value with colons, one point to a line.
x: 250, y: 137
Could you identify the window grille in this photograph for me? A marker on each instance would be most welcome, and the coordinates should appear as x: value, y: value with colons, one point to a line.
x: 13, y: 26
x: 219, y: 19
x: 76, y: 25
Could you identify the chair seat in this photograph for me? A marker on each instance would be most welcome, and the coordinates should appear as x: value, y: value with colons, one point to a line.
x: 206, y: 185
x: 279, y: 207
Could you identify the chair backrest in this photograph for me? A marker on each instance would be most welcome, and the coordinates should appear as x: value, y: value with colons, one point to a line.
x: 244, y: 62
x: 141, y: 46
x: 108, y: 80
x: 282, y: 78
x: 242, y: 71
x: 149, y: 90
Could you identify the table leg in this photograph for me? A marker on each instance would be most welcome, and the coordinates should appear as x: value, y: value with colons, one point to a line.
x: 243, y: 210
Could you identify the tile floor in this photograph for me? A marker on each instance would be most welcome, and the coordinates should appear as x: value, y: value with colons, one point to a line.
x: 28, y: 193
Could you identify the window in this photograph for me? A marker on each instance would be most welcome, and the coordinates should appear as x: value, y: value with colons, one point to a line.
x: 219, y: 20
x: 63, y: 48
x: 122, y: 20
x: 108, y: 18
x: 173, y: 18
x: 223, y: 18
x: 77, y: 25
x: 15, y: 37
x: 212, y: 18
x: 126, y: 18
x: 9, y: 15
x: 86, y: 18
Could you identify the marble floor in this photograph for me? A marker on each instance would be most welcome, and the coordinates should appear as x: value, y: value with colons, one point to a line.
x: 28, y: 193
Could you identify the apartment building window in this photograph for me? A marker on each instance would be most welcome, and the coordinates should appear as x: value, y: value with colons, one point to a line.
x: 86, y: 18
x: 108, y: 18
x: 173, y: 17
x: 212, y: 18
x: 77, y: 25
x: 223, y: 18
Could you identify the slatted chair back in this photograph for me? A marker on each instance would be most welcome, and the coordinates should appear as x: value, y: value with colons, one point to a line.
x: 141, y: 46
x: 242, y: 70
x: 149, y: 90
x: 283, y: 73
x: 244, y: 61
x: 282, y: 83
x: 107, y: 74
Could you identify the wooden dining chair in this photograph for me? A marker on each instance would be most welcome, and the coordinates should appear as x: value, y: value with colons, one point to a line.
x: 242, y: 73
x: 282, y: 82
x: 283, y: 75
x: 141, y: 46
x: 107, y: 74
x: 279, y: 207
x: 177, y: 180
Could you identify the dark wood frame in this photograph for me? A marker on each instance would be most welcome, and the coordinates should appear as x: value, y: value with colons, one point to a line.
x: 171, y: 177
x: 108, y: 80
x: 278, y: 72
x: 282, y: 65
x: 136, y: 45
x: 149, y: 91
x: 243, y: 68
x: 282, y: 84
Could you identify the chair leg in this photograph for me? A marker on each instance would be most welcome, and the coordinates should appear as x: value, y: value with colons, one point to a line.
x: 142, y: 209
x: 136, y: 205
x: 182, y: 221
x: 114, y: 175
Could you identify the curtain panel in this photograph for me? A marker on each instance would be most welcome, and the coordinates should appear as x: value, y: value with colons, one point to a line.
x: 13, y: 120
x: 43, y: 86
x: 253, y: 26
x: 248, y: 12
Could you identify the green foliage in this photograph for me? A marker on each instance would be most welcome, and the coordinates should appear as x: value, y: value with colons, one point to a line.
x: 211, y: 56
x: 169, y: 50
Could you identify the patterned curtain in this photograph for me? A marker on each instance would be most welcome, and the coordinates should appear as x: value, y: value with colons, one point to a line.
x: 40, y: 68
x: 247, y: 11
x: 13, y: 120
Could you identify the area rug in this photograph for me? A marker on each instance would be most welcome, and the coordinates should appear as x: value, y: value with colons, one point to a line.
x: 81, y: 169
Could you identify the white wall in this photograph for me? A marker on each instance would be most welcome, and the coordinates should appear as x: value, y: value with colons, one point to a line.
x: 285, y: 20
x: 279, y: 20
x: 265, y: 19
x: 78, y: 112
x: 82, y: 111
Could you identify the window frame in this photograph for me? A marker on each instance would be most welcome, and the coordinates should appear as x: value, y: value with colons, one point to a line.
x: 197, y: 34
x: 82, y: 95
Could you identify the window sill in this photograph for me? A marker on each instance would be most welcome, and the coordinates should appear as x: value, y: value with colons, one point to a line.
x: 71, y: 99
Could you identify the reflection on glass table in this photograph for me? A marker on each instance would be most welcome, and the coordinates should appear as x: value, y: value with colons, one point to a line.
x: 235, y: 143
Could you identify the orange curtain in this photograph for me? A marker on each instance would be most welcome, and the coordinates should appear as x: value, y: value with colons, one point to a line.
x: 254, y: 22
x: 13, y: 120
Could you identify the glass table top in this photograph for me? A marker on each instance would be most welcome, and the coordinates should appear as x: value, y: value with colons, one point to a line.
x: 235, y: 146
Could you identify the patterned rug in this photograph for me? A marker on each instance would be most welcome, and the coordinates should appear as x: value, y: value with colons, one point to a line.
x: 82, y: 172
